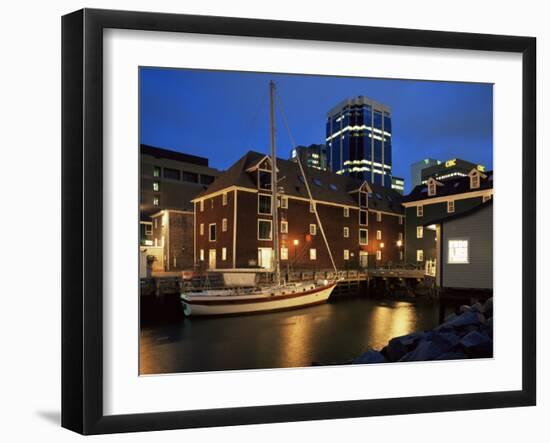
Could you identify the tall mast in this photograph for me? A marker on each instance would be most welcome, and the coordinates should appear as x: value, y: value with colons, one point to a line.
x: 275, y: 225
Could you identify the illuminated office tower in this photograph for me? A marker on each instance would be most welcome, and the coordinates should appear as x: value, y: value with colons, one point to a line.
x: 359, y: 140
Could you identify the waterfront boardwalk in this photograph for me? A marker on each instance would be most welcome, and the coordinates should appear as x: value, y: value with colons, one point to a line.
x: 163, y: 283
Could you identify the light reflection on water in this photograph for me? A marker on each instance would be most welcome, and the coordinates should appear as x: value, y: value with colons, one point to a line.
x: 333, y: 332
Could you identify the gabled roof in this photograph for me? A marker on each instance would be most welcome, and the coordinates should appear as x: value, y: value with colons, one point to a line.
x: 324, y: 185
x: 487, y: 204
x: 459, y: 185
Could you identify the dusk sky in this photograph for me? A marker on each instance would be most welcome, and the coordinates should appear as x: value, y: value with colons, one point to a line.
x: 221, y: 115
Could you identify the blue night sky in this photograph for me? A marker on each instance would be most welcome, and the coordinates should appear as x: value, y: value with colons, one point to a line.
x: 221, y: 115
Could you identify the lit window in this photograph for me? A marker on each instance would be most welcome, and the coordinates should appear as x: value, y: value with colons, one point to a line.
x: 284, y: 253
x: 431, y: 188
x: 346, y: 232
x: 224, y: 254
x: 202, y: 205
x: 202, y: 254
x: 363, y: 236
x: 284, y: 227
x: 363, y: 219
x: 313, y: 229
x: 419, y: 211
x: 451, y: 206
x: 212, y: 232
x: 378, y: 216
x: 379, y: 235
x: 156, y: 201
x: 346, y: 212
x: 313, y: 254
x: 156, y: 171
x: 419, y: 255
x: 419, y: 232
x: 224, y: 225
x: 284, y: 202
x: 378, y: 255
x: 458, y: 252
x: 312, y: 207
x: 156, y: 186
x: 264, y: 204
x: 401, y: 255
x: 400, y: 219
x: 400, y: 236
x: 346, y: 254
x: 264, y: 230
x: 201, y: 230
x: 224, y: 199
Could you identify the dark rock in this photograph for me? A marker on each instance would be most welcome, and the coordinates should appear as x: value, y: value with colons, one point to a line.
x: 464, y: 308
x: 453, y: 355
x: 432, y: 348
x: 450, y: 317
x: 478, y: 307
x: 476, y: 344
x: 399, y: 346
x: 466, y: 319
x: 369, y: 357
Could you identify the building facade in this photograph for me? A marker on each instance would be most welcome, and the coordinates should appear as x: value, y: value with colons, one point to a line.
x: 359, y: 140
x: 312, y: 156
x: 416, y: 170
x: 435, y: 200
x: 398, y: 184
x: 170, y: 180
x: 363, y: 223
x: 465, y: 249
x: 449, y: 169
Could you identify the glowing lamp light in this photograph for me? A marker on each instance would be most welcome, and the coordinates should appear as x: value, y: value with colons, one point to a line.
x: 296, y: 242
x: 399, y: 243
x: 381, y: 245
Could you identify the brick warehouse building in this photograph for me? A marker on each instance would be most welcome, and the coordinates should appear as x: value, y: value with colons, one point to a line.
x: 363, y: 223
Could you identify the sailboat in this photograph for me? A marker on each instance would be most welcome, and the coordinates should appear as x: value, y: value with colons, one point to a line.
x: 279, y: 295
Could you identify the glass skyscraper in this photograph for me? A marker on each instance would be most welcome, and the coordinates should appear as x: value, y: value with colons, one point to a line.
x: 359, y: 140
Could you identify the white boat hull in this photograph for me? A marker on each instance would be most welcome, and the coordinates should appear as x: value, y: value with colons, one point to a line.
x: 194, y: 305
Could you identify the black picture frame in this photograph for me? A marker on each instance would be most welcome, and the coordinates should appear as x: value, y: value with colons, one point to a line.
x: 82, y: 190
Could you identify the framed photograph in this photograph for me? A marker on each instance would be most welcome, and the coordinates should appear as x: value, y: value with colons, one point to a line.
x: 269, y: 221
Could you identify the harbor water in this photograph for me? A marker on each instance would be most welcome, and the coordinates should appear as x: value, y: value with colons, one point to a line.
x: 334, y: 332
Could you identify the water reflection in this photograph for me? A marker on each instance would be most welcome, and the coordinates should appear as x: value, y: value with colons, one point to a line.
x: 333, y: 332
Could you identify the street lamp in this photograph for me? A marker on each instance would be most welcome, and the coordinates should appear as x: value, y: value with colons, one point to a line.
x: 399, y: 243
x: 382, y: 245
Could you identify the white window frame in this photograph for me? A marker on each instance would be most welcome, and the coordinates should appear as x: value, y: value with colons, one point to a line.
x: 284, y: 253
x: 313, y: 254
x: 284, y: 202
x: 312, y: 207
x: 312, y: 229
x: 201, y: 229
x: 432, y: 188
x: 378, y: 216
x: 148, y: 229
x: 379, y: 255
x: 201, y: 255
x: 224, y: 199
x: 400, y: 219
x: 201, y: 205
x: 346, y: 232
x: 450, y: 206
x: 400, y: 236
x: 270, y: 230
x: 284, y: 227
x: 224, y: 225
x: 210, y: 232
x: 156, y: 224
x: 378, y: 234
x: 420, y: 255
x: 366, y: 236
x: 156, y: 201
x: 224, y: 254
x: 156, y: 186
x: 346, y: 254
x: 420, y: 211
x: 419, y: 232
x: 270, y: 204
x: 475, y: 184
x: 455, y: 261
x: 346, y: 212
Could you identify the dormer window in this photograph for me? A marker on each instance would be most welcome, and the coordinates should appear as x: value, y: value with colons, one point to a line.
x: 363, y: 199
x: 474, y: 181
x: 264, y: 179
x: 431, y: 188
